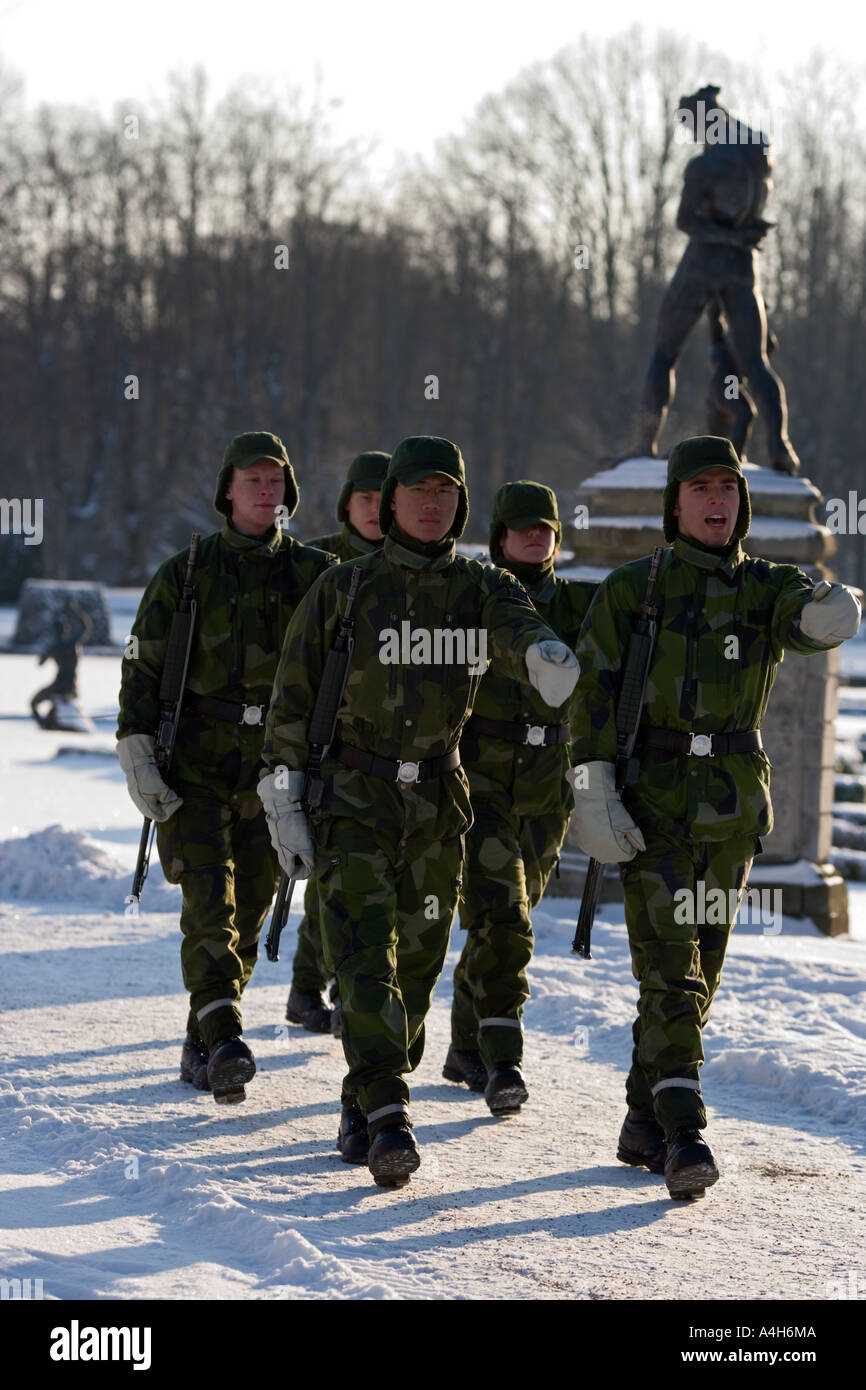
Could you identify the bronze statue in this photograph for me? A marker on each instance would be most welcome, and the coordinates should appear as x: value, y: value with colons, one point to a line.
x: 725, y: 191
x: 69, y: 631
x: 731, y: 412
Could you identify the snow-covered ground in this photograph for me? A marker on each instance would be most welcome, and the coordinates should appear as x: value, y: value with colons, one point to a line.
x: 118, y: 1181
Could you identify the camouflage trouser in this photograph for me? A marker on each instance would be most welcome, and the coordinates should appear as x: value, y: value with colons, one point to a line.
x: 678, y: 965
x: 509, y: 859
x: 386, y: 905
x: 309, y: 972
x: 217, y: 847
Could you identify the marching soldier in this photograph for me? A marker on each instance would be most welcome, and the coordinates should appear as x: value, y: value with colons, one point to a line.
x: 358, y: 510
x: 515, y: 752
x: 211, y: 833
x: 701, y: 800
x: 390, y: 825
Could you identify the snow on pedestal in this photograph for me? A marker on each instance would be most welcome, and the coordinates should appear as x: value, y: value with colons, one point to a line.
x: 618, y: 512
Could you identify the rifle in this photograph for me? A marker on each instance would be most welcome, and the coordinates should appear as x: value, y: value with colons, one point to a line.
x: 323, y: 725
x: 629, y: 708
x: 171, y: 698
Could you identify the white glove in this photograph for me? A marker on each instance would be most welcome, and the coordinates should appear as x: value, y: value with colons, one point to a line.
x: 553, y: 669
x: 604, y: 828
x: 287, y: 823
x: 831, y: 615
x: 144, y: 779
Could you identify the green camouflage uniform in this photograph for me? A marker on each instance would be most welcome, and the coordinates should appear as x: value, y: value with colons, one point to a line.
x: 216, y: 845
x: 309, y: 972
x: 521, y: 805
x: 701, y: 817
x: 390, y: 854
x: 346, y: 544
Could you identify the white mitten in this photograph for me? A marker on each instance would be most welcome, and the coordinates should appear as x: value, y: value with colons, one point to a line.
x: 553, y: 669
x: 144, y: 779
x: 604, y: 828
x: 831, y: 615
x: 287, y: 823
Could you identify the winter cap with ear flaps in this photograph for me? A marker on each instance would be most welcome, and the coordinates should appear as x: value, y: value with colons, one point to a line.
x: 366, y: 474
x: 245, y: 450
x: 520, y: 505
x: 693, y: 456
x: 418, y: 457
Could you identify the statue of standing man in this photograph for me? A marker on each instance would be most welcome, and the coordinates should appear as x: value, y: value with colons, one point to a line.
x: 724, y: 194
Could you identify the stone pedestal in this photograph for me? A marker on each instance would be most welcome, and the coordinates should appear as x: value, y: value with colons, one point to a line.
x: 618, y: 518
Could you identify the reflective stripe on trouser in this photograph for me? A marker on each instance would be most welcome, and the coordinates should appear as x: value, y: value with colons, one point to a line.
x: 678, y: 965
x: 509, y: 859
x: 309, y: 972
x: 386, y: 912
x: 218, y: 849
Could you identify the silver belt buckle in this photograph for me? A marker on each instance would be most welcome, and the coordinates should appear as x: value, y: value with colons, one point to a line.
x: 701, y: 745
x: 408, y: 772
x: 253, y: 714
x: 535, y: 735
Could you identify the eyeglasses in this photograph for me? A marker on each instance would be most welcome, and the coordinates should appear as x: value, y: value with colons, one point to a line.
x: 443, y: 491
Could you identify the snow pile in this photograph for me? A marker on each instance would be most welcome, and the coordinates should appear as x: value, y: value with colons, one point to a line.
x: 795, y: 1030
x: 57, y: 864
x: 827, y: 1087
x: 267, y: 1253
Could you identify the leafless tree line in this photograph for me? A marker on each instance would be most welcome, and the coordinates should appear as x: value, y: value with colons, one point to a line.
x: 144, y: 316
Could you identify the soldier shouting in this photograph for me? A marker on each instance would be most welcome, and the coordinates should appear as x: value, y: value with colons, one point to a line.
x: 211, y: 832
x: 389, y: 830
x: 701, y: 800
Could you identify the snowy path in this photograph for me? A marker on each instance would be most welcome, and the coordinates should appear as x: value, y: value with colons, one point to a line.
x: 118, y: 1181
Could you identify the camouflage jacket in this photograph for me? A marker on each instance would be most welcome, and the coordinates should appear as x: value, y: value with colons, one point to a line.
x: 396, y: 710
x: 345, y: 544
x: 246, y: 590
x: 532, y: 778
x: 723, y: 626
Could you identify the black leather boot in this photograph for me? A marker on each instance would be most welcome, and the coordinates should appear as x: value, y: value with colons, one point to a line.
x: 193, y: 1063
x: 465, y: 1066
x: 394, y: 1155
x: 353, y: 1141
x: 689, y: 1167
x: 309, y: 1010
x: 642, y: 1142
x: 230, y: 1065
x: 505, y: 1091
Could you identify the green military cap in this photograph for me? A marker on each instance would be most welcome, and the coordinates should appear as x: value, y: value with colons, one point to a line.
x: 692, y: 456
x: 245, y: 450
x: 366, y: 474
x: 522, y: 504
x: 418, y: 457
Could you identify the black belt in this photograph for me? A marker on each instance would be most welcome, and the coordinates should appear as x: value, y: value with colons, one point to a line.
x: 536, y: 735
x: 224, y: 709
x: 395, y: 769
x: 702, y: 745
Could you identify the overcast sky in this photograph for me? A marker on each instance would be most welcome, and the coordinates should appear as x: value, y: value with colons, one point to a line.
x: 405, y: 71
